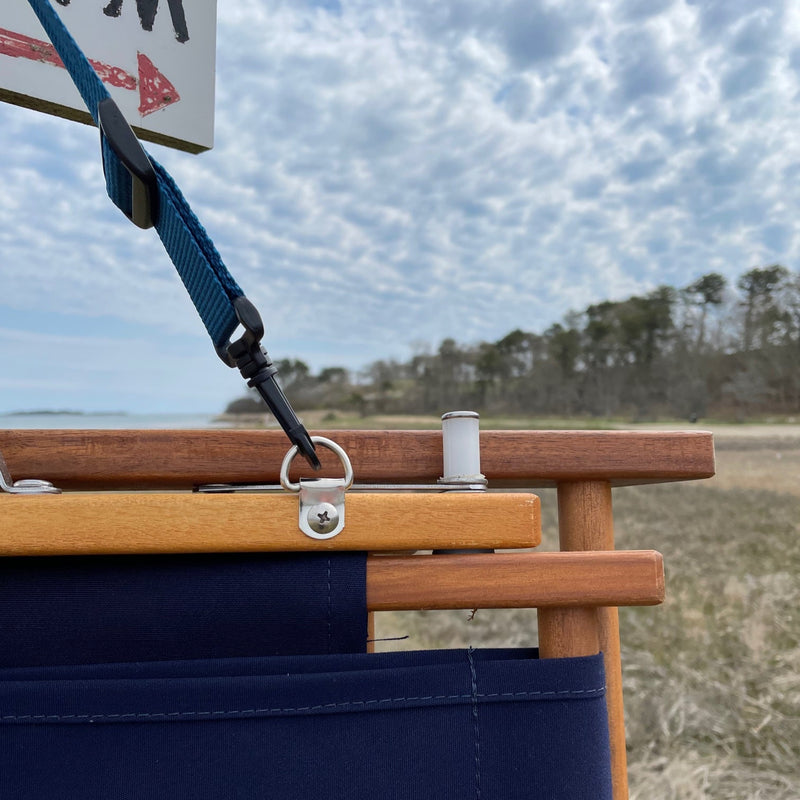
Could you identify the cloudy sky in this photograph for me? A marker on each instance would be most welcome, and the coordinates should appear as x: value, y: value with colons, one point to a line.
x: 388, y: 174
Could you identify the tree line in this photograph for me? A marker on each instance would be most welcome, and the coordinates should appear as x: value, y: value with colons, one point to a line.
x: 711, y: 348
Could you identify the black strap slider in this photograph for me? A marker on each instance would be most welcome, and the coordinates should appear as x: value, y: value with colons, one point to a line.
x: 132, y: 182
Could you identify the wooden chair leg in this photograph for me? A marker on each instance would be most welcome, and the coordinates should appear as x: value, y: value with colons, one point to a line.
x: 566, y: 632
x: 585, y: 522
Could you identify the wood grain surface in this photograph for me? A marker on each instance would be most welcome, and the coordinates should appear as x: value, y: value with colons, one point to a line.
x: 144, y: 522
x: 516, y: 580
x: 585, y: 522
x: 92, y: 459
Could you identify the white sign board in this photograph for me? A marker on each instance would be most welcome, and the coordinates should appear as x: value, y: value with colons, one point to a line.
x: 156, y: 57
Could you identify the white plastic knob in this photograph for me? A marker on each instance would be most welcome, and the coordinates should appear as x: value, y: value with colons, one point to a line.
x: 462, y: 447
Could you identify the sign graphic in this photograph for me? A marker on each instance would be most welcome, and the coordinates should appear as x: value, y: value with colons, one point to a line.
x: 155, y: 91
x: 147, y: 13
x: 159, y: 67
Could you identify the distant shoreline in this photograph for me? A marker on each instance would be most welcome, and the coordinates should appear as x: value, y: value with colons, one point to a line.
x: 46, y: 412
x: 55, y: 420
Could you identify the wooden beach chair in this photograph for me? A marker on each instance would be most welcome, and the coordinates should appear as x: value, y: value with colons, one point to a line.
x: 130, y: 493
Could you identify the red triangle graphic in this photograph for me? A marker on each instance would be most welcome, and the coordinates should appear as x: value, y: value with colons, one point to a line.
x: 155, y: 91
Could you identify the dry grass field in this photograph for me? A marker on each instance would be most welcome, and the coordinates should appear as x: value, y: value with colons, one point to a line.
x: 712, y: 677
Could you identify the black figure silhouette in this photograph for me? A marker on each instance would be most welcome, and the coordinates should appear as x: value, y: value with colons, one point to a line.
x: 147, y: 13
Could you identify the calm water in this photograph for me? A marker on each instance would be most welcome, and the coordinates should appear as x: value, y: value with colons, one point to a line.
x: 107, y: 421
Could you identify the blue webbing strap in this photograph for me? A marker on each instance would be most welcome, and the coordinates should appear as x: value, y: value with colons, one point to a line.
x: 192, y: 251
x: 146, y: 193
x: 210, y: 285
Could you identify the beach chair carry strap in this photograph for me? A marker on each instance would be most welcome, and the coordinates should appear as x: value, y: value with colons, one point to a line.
x: 148, y: 196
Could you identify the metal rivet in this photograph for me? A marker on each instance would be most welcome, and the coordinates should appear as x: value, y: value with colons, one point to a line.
x: 322, y: 517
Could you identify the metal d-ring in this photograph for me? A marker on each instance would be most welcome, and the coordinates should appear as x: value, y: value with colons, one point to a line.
x: 321, y: 440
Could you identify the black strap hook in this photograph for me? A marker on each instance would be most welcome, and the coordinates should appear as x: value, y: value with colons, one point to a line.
x: 252, y: 360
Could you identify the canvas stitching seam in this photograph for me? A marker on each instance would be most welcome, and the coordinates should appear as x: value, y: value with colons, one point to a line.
x: 330, y: 609
x: 476, y: 729
x: 349, y: 703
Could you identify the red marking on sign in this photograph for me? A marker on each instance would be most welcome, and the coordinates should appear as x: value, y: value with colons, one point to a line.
x: 155, y: 90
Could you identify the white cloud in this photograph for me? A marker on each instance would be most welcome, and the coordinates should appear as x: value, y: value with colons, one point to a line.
x: 386, y: 174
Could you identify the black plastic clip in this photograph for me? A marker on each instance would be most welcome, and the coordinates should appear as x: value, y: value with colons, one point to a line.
x: 116, y: 131
x: 253, y: 361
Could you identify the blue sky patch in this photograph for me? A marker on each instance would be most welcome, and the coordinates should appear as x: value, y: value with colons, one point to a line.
x: 390, y: 175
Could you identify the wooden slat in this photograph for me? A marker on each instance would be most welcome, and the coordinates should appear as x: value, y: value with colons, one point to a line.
x: 179, y: 459
x: 515, y: 580
x: 86, y: 523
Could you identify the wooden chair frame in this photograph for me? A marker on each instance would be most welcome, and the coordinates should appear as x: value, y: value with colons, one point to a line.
x: 576, y: 590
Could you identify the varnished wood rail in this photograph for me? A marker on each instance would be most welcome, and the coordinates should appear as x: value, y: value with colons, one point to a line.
x: 180, y: 459
x: 144, y: 522
x: 515, y: 580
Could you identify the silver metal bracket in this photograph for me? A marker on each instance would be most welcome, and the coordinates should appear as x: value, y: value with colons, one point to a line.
x: 432, y: 488
x: 321, y: 511
x: 24, y: 486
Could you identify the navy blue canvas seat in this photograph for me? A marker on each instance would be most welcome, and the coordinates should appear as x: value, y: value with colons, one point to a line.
x: 246, y: 677
x: 449, y: 724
